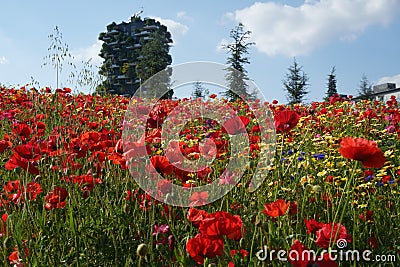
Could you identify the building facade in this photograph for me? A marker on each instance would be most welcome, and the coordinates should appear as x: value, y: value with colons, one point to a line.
x: 122, y: 50
x: 383, y: 92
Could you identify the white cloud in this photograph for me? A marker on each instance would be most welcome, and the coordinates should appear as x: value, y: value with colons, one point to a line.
x: 291, y: 31
x: 3, y: 60
x: 181, y: 14
x: 175, y: 28
x: 221, y: 44
x: 227, y: 19
x: 393, y: 79
x: 91, y: 52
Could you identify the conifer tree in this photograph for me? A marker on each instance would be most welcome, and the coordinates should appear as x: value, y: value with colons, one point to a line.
x: 238, y: 51
x: 332, y: 83
x: 295, y: 84
x: 365, y: 90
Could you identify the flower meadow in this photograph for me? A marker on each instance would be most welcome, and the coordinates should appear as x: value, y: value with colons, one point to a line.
x: 67, y: 197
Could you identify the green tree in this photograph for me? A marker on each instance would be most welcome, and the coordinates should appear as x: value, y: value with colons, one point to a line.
x: 331, y: 83
x: 199, y: 90
x: 295, y: 84
x: 133, y: 52
x: 155, y: 57
x: 238, y: 51
x: 365, y: 89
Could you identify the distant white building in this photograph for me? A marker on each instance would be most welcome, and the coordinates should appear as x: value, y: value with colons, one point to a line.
x: 383, y: 92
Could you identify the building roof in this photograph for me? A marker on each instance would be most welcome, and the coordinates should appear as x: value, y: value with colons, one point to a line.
x: 385, y: 89
x: 388, y: 92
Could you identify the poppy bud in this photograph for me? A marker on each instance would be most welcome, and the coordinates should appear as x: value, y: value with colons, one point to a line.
x: 142, y: 250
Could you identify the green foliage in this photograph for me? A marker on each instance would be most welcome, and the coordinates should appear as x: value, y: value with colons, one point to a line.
x: 58, y: 53
x: 83, y: 74
x: 238, y: 51
x: 332, y: 83
x: 106, y: 228
x: 295, y: 84
x: 133, y: 52
x: 365, y: 90
x: 155, y: 57
x: 199, y: 90
x: 86, y: 76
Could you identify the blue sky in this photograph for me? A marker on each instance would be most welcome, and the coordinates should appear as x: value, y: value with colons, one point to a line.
x: 356, y: 36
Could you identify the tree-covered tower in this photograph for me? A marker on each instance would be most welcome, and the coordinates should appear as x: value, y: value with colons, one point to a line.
x: 125, y: 51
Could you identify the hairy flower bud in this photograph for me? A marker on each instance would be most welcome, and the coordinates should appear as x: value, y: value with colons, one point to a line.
x: 142, y: 250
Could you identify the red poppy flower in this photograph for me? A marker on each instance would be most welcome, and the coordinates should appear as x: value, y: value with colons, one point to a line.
x: 15, y: 191
x: 165, y: 186
x: 24, y: 161
x: 313, y: 226
x: 222, y: 223
x: 153, y: 136
x: 86, y: 182
x: 40, y: 128
x: 200, y: 247
x: 4, y: 145
x: 173, y: 152
x: 293, y: 208
x: 17, y: 161
x: 236, y: 125
x: 330, y: 233
x: 93, y: 125
x: 130, y: 196
x: 22, y: 130
x: 100, y: 156
x: 90, y: 139
x: 145, y: 201
x: 286, y: 120
x: 3, y: 224
x: 277, y: 208
x: 213, y: 96
x: 14, y: 258
x: 52, y: 146
x: 183, y: 175
x: 367, y: 217
x: 244, y: 253
x: 118, y: 159
x: 204, y: 173
x: 362, y: 150
x: 28, y: 151
x: 197, y: 216
x: 301, y: 256
x: 11, y: 186
x: 64, y: 90
x: 33, y: 189
x: 56, y: 198
x: 373, y: 242
x: 161, y: 164
x: 198, y: 199
x: 325, y: 261
x: 208, y: 149
x: 298, y: 256
x: 133, y: 149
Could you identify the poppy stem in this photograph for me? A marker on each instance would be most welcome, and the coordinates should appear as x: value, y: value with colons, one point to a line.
x: 349, y: 183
